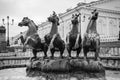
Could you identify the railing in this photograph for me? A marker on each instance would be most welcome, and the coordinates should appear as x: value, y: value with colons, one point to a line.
x: 11, y: 62
x: 109, y: 54
x: 109, y: 38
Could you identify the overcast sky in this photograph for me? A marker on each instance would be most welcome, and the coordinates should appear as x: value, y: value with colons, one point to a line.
x: 37, y: 10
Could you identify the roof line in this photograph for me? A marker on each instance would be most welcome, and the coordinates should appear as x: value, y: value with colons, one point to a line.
x: 89, y: 6
x: 104, y: 10
x: 97, y: 2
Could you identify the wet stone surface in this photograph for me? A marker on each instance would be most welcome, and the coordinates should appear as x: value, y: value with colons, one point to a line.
x: 20, y: 74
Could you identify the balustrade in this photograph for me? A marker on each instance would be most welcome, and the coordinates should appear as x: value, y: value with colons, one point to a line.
x: 8, y: 62
x: 109, y: 38
x: 110, y: 56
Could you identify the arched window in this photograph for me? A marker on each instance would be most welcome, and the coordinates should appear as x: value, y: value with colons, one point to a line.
x: 100, y: 27
x: 70, y: 26
x: 112, y: 28
x: 67, y: 26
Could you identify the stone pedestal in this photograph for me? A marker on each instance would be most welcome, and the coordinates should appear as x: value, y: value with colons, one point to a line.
x: 69, y: 67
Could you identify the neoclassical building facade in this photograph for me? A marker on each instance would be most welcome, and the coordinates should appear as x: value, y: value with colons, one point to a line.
x: 107, y: 24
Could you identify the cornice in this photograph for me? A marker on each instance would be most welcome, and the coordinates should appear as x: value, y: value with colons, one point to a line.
x: 97, y: 2
x: 90, y: 6
x: 102, y: 10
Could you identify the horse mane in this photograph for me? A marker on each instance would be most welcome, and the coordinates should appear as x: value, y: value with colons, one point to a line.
x: 35, y: 25
x: 90, y: 26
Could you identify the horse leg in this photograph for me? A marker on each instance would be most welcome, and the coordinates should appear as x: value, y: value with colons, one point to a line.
x: 24, y: 49
x: 67, y: 40
x: 26, y: 41
x: 97, y: 55
x: 45, y: 50
x: 97, y: 50
x: 76, y: 42
x: 51, y: 44
x: 85, y: 51
x: 34, y: 54
x: 78, y: 51
x: 62, y: 51
x: 52, y: 53
x: 69, y: 51
x: 45, y: 54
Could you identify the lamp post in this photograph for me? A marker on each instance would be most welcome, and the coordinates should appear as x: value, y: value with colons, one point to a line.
x: 8, y: 23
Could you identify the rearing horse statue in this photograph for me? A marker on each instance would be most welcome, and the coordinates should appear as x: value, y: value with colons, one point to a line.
x: 91, y: 40
x: 53, y: 39
x: 73, y: 38
x: 32, y: 38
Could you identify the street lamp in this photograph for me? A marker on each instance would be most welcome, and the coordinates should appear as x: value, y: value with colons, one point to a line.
x: 8, y: 23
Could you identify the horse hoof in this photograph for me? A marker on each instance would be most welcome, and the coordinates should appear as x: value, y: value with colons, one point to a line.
x: 51, y: 57
x: 77, y: 56
x: 61, y: 57
x: 45, y: 57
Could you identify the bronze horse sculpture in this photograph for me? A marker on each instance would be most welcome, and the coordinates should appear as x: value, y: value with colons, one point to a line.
x: 53, y: 39
x: 32, y: 38
x: 73, y: 38
x: 91, y: 40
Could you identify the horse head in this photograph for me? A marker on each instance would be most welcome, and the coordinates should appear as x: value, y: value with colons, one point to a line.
x: 54, y: 18
x: 32, y: 28
x: 75, y: 19
x: 25, y: 21
x: 91, y: 28
x: 94, y: 15
x: 75, y: 25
